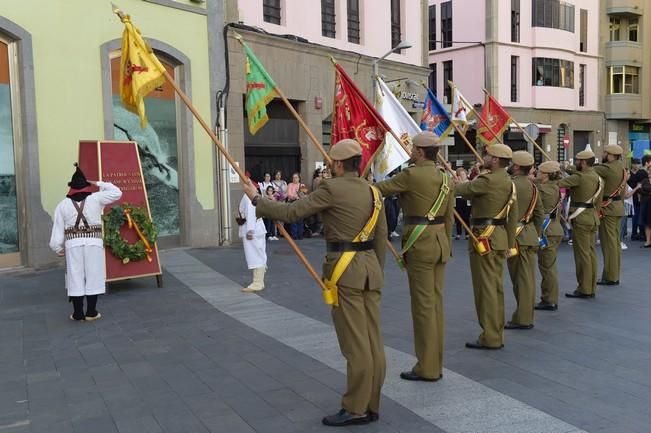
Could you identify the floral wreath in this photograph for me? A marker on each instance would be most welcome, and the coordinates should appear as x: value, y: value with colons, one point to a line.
x: 136, y: 218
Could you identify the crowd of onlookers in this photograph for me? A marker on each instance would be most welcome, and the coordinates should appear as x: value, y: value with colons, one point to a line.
x: 278, y: 189
x: 635, y: 195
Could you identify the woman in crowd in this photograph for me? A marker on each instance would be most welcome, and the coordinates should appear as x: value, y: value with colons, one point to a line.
x: 462, y: 205
x: 280, y: 186
x: 270, y: 194
x: 266, y: 183
x: 295, y: 191
x: 645, y: 203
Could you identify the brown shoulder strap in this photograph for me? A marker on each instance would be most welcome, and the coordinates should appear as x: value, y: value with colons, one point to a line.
x: 80, y: 214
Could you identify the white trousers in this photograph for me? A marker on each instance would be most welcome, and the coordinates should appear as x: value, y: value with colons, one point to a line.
x: 255, y: 252
x: 85, y: 270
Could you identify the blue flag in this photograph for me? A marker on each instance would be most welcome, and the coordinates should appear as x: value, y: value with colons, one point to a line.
x: 435, y: 118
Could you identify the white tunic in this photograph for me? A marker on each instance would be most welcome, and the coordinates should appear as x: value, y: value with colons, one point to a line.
x: 85, y: 264
x: 255, y: 249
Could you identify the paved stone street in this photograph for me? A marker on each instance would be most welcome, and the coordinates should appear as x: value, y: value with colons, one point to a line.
x: 200, y: 356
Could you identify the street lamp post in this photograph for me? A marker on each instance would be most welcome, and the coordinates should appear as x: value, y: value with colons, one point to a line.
x: 401, y: 46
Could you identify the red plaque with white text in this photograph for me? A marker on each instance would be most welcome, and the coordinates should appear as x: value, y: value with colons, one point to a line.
x: 118, y: 162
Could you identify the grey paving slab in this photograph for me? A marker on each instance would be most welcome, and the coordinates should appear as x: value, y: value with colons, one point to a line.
x: 479, y: 406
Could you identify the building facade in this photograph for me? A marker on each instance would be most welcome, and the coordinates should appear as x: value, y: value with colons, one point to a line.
x: 627, y: 73
x: 539, y: 58
x: 295, y: 41
x: 58, y: 84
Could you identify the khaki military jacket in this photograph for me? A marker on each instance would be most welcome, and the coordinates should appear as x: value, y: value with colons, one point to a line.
x: 550, y: 194
x: 418, y: 187
x: 612, y: 173
x: 345, y: 204
x: 524, y: 189
x: 488, y: 193
x: 582, y: 186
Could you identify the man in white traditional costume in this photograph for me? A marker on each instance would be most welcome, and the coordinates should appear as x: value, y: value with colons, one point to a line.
x: 77, y: 234
x: 252, y: 232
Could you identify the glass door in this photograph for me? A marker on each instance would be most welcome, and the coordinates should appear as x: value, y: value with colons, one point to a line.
x: 9, y: 242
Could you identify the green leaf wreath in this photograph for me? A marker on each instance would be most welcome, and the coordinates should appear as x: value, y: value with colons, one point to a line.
x: 119, y: 246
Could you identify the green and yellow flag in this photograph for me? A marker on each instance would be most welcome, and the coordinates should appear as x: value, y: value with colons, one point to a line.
x: 140, y: 70
x: 259, y: 90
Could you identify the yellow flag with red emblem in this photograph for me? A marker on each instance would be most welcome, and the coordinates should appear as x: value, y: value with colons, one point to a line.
x: 140, y: 70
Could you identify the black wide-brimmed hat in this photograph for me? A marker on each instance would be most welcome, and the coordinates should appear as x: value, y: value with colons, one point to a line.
x: 78, y: 183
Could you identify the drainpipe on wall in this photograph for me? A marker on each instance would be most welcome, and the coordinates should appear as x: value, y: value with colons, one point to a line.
x: 224, y: 182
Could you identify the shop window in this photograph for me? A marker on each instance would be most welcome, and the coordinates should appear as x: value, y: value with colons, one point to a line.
x: 8, y: 196
x: 157, y: 145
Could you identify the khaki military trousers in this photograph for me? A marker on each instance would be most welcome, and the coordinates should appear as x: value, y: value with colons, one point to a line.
x: 611, y: 248
x: 426, y: 290
x: 548, y: 271
x: 522, y: 269
x: 487, y: 273
x: 357, y: 323
x: 585, y: 257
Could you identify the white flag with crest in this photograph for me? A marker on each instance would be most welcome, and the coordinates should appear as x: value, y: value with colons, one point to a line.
x: 459, y: 111
x: 392, y: 155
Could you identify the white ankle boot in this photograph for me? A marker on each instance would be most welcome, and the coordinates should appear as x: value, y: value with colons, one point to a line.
x: 258, y: 280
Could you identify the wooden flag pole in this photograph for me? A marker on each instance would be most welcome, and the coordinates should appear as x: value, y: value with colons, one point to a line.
x: 456, y: 128
x: 441, y: 159
x: 521, y: 129
x: 231, y: 161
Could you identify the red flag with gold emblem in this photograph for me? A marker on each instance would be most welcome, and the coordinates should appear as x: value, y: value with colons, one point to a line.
x: 495, y: 120
x: 355, y: 117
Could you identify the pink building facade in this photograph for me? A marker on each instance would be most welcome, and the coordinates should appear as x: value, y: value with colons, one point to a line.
x: 295, y: 40
x: 538, y: 58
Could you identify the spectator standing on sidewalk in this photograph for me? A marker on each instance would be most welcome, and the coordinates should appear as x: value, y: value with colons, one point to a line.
x: 252, y: 232
x: 272, y: 234
x: 77, y: 235
x: 280, y: 185
x: 296, y: 191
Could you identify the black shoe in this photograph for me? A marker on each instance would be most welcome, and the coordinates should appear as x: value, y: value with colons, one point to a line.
x: 373, y: 416
x: 511, y: 325
x: 478, y: 345
x: 410, y: 375
x: 603, y: 282
x: 343, y: 418
x: 542, y: 305
x: 577, y: 294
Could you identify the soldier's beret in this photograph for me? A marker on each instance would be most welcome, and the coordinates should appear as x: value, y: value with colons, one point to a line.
x: 345, y: 149
x: 499, y: 150
x: 522, y: 158
x: 426, y: 139
x: 550, y: 167
x: 585, y: 154
x: 614, y: 149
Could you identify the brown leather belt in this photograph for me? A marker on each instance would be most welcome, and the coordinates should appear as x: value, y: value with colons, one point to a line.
x: 341, y: 247
x: 418, y: 220
x: 487, y: 221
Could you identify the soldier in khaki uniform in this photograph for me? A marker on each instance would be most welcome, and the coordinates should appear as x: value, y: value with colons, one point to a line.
x: 585, y: 188
x: 346, y: 203
x: 551, y: 234
x: 522, y: 266
x: 493, y: 218
x: 427, y: 204
x: 612, y: 211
